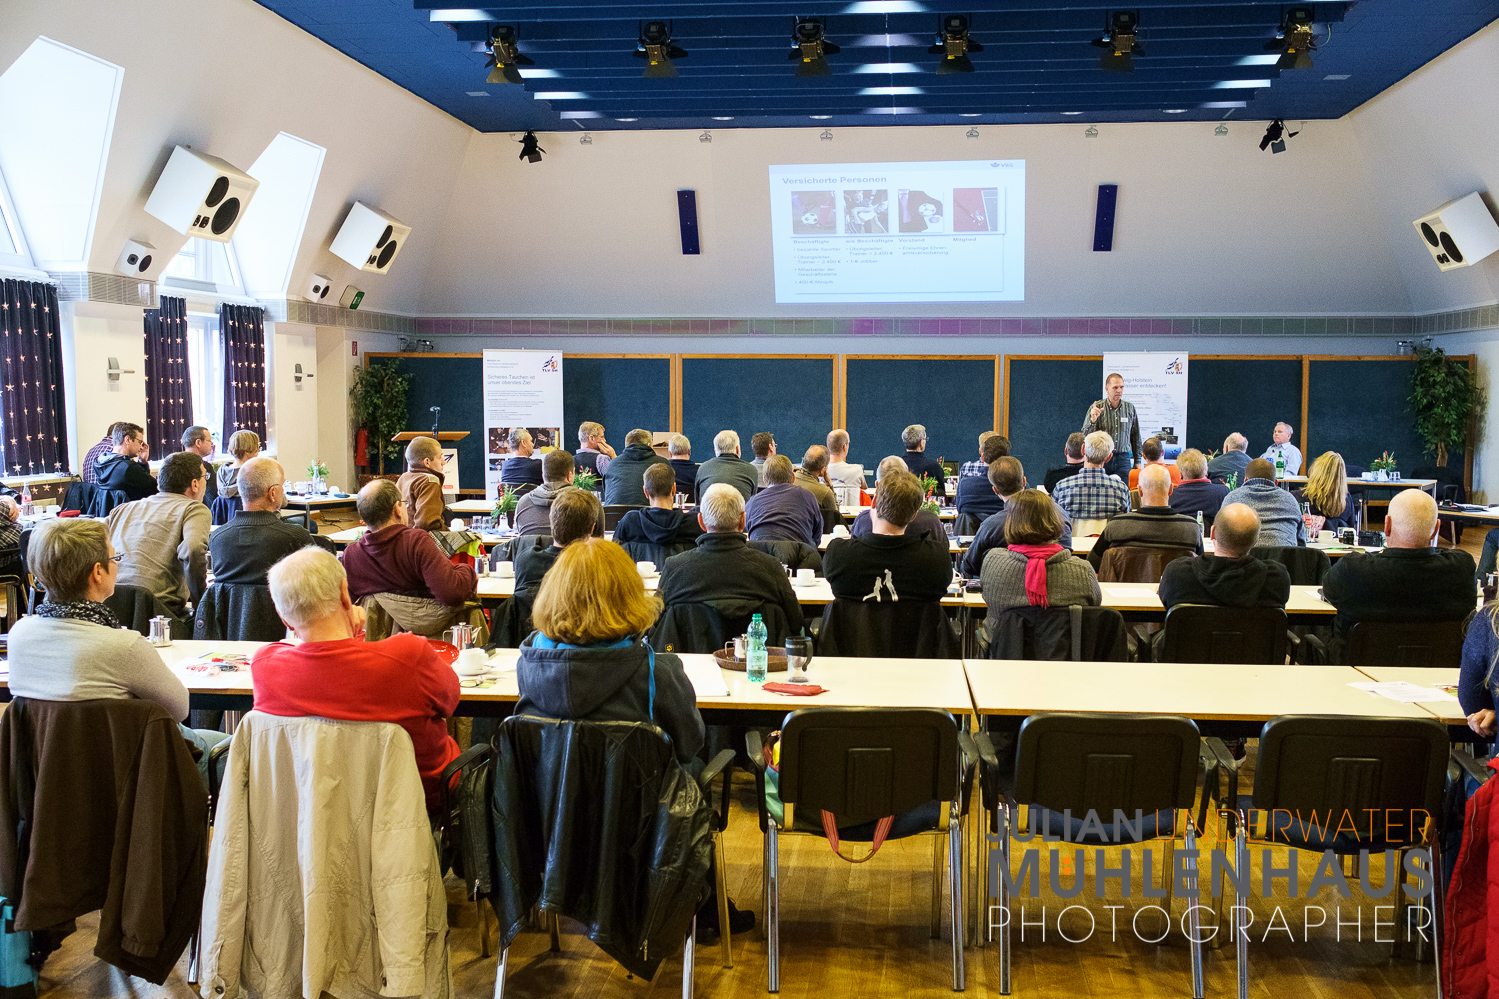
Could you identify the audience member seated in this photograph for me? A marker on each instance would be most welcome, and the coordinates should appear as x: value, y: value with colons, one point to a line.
x: 1282, y: 446
x: 1233, y: 461
x: 1035, y: 569
x: 888, y: 564
x: 1154, y: 455
x: 575, y: 514
x: 1410, y: 579
x: 72, y: 648
x: 421, y: 485
x: 1154, y: 524
x: 520, y: 469
x: 1006, y: 478
x: 420, y: 589
x: 1279, y: 513
x: 124, y: 466
x: 244, y: 549
x: 726, y: 466
x: 594, y: 453
x: 1230, y: 576
x: 660, y: 523
x: 1327, y: 495
x: 813, y: 477
x: 723, y: 570
x: 846, y: 479
x: 90, y: 471
x: 1073, y: 453
x: 1196, y: 493
x: 335, y: 673
x: 623, y: 482
x: 682, y: 465
x: 533, y: 511
x: 917, y: 462
x: 243, y: 445
x: 924, y: 525
x: 1479, y: 679
x: 163, y: 539
x: 991, y: 445
x: 976, y: 497
x: 1092, y: 495
x: 782, y: 510
x: 763, y: 445
x: 199, y: 440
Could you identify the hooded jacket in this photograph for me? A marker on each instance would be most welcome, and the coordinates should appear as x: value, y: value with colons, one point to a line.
x: 116, y: 471
x: 624, y: 479
x: 611, y: 683
x: 533, y: 511
x: 656, y: 526
x: 1225, y: 582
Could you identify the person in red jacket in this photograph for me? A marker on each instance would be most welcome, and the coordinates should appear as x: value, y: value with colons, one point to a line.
x: 393, y: 557
x: 335, y: 673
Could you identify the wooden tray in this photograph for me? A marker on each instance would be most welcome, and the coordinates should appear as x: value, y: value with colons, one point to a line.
x: 776, y: 661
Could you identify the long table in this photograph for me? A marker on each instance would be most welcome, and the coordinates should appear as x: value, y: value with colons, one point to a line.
x: 1084, y: 545
x: 309, y: 503
x: 1449, y: 713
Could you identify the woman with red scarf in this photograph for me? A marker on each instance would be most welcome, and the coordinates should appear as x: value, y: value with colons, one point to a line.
x: 1035, y: 570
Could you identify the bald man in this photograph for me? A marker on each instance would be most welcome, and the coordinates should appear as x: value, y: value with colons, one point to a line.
x: 1155, y: 524
x: 1411, y: 580
x: 421, y: 485
x: 244, y: 549
x: 1230, y: 576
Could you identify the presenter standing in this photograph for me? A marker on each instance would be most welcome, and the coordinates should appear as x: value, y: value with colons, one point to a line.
x: 1118, y: 419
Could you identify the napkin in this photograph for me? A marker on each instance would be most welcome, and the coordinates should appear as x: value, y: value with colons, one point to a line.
x: 798, y: 689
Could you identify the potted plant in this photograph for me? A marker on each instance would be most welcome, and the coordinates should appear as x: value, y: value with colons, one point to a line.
x: 1446, y: 400
x: 587, y: 480
x: 1384, y: 467
x: 929, y: 486
x: 379, y: 394
x: 317, y: 471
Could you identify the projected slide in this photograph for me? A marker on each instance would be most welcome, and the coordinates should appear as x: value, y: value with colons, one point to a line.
x: 899, y: 232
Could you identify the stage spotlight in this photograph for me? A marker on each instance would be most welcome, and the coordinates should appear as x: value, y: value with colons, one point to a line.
x: 530, y: 149
x: 1119, y: 40
x: 1294, y: 39
x: 504, y: 56
x: 809, y: 45
x: 656, y: 47
x: 953, y: 44
x: 1276, y: 136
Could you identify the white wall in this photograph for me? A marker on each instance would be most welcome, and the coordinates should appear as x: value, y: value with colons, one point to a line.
x: 226, y: 76
x: 1427, y: 140
x: 337, y: 360
x: 93, y: 332
x: 292, y: 407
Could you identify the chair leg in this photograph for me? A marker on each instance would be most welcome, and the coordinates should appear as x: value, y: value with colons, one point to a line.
x: 955, y: 879
x: 724, y: 942
x: 1194, y: 927
x: 483, y: 929
x: 1169, y: 869
x: 773, y: 906
x: 1402, y: 920
x: 936, y: 929
x: 1241, y: 938
x: 689, y: 951
x: 554, y: 927
x: 1003, y: 816
x: 499, y: 974
x: 195, y: 954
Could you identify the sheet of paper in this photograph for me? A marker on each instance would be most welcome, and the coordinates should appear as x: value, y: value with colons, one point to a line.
x: 1409, y: 693
x: 706, y: 677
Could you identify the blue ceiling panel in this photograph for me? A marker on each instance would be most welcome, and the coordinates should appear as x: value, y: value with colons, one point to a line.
x: 1201, y: 61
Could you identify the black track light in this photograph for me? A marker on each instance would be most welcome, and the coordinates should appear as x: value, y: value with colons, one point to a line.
x: 504, y: 56
x: 656, y: 48
x: 1275, y: 137
x: 810, y: 46
x: 530, y: 148
x: 1294, y: 40
x: 1119, y: 41
x: 953, y: 44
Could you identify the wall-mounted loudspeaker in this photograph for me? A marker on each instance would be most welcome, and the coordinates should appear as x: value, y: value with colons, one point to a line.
x: 351, y: 297
x: 1460, y: 233
x: 369, y: 239
x: 136, y: 259
x: 201, y: 195
x: 317, y: 288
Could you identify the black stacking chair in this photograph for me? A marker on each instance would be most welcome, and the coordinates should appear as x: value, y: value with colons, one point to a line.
x: 1204, y: 633
x: 1424, y: 643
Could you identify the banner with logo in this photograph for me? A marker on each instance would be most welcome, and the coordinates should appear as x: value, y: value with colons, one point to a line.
x: 1156, y: 383
x: 522, y: 388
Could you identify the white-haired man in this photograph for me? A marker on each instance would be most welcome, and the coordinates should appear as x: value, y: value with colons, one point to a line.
x: 1283, y: 448
x: 914, y: 438
x: 723, y: 568
x: 728, y: 467
x: 845, y: 478
x: 244, y: 549
x: 334, y: 673
x: 1233, y: 462
x: 520, y: 468
x: 1092, y: 495
x: 679, y: 451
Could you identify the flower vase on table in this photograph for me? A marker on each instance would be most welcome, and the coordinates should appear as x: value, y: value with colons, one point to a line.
x: 317, y: 472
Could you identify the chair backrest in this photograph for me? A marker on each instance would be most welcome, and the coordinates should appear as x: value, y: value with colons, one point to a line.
x: 909, y: 629
x: 238, y: 612
x: 1057, y: 634
x: 614, y: 512
x: 1421, y: 643
x: 866, y: 763
x: 1306, y: 566
x: 135, y: 606
x: 792, y: 554
x: 1205, y: 633
x: 706, y: 626
x: 966, y: 523
x: 223, y: 508
x: 647, y: 551
x: 1082, y: 760
x: 1359, y: 770
x: 507, y: 551
x: 830, y: 520
x: 104, y: 500
x: 1138, y: 563
x: 1134, y: 499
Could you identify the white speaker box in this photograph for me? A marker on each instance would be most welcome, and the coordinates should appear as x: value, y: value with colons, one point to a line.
x: 317, y: 288
x: 351, y: 297
x: 1460, y: 233
x: 201, y: 195
x: 136, y: 259
x: 369, y: 239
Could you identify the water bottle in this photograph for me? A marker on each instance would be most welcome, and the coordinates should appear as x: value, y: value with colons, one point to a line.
x: 756, y: 659
x: 26, y: 508
x: 1280, y: 465
x: 1201, y: 531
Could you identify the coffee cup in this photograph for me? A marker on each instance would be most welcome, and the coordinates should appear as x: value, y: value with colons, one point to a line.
x: 805, y: 577
x: 645, y: 568
x: 840, y: 531
x: 1326, y: 537
x: 505, y: 570
x: 472, y: 662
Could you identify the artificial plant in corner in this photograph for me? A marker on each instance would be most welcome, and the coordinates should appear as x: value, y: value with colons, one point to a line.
x: 378, y: 394
x: 1446, y: 399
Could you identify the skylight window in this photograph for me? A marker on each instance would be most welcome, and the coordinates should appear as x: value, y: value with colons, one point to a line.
x: 267, y: 240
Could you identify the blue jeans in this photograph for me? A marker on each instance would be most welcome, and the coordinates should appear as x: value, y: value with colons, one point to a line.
x: 1119, y: 463
x: 204, y: 740
x: 1490, y: 553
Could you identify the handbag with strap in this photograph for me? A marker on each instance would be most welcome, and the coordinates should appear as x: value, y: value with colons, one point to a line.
x: 777, y: 810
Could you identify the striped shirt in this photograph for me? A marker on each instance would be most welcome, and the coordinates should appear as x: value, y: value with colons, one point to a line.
x: 1092, y: 494
x: 1122, y: 424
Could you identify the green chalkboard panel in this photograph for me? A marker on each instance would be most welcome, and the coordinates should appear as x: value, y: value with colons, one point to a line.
x: 953, y: 399
x: 622, y: 393
x: 1361, y: 409
x: 1048, y: 399
x: 1245, y: 395
x: 792, y: 397
x: 457, y: 385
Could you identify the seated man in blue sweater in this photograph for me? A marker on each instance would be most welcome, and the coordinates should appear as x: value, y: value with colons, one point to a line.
x: 782, y: 510
x: 974, y: 493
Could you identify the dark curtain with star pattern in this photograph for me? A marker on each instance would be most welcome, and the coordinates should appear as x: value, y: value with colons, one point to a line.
x: 169, y: 386
x: 243, y: 330
x: 33, y: 416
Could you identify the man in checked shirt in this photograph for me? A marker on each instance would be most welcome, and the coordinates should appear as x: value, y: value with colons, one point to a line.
x: 1118, y: 419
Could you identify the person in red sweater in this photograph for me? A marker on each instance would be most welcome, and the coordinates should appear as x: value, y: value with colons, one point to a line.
x: 395, y: 558
x: 335, y: 673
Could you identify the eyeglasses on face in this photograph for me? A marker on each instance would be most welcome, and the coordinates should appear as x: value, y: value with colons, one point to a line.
x: 120, y: 557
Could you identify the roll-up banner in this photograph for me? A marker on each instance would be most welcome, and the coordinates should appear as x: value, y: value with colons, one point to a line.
x: 1156, y: 383
x: 522, y: 388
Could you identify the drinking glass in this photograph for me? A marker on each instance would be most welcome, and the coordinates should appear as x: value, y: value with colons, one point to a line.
x: 798, y: 658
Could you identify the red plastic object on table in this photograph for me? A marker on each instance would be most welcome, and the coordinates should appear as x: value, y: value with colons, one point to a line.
x: 447, y: 650
x: 797, y: 689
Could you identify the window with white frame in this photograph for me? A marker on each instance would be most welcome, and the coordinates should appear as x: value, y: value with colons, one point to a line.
x: 13, y: 251
x: 205, y: 265
x: 205, y: 365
